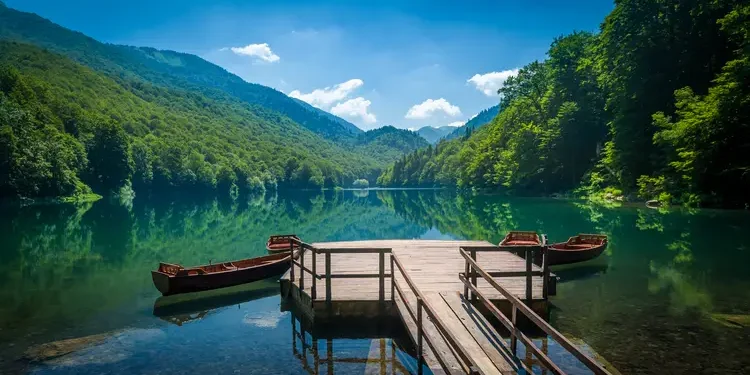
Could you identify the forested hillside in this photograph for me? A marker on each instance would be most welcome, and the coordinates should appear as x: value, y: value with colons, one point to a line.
x: 65, y: 129
x: 165, y: 68
x: 120, y: 116
x: 656, y: 105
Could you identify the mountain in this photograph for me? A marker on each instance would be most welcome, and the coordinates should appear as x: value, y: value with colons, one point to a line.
x: 66, y: 130
x: 389, y: 143
x: 166, y: 68
x: 483, y: 118
x: 79, y: 116
x: 433, y: 134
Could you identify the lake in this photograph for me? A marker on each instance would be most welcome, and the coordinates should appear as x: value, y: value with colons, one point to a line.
x: 670, y: 295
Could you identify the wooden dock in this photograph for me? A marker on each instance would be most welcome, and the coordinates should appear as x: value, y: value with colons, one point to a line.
x: 437, y: 289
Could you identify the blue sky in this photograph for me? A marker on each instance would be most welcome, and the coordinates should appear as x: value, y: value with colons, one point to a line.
x: 402, y: 63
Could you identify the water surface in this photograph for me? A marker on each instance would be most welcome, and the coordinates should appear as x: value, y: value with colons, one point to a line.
x: 669, y: 296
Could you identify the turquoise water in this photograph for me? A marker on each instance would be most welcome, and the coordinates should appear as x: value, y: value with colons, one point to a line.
x: 671, y: 295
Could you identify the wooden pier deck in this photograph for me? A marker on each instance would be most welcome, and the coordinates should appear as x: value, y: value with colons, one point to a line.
x: 435, y: 288
x: 433, y: 264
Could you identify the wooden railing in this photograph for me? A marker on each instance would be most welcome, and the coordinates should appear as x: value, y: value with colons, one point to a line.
x: 417, y: 317
x: 526, y: 252
x: 468, y: 278
x: 327, y: 275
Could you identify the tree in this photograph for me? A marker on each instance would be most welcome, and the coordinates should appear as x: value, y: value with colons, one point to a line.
x: 110, y: 161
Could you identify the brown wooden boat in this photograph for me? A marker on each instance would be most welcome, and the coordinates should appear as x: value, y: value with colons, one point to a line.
x: 578, y: 248
x: 279, y: 243
x: 519, y: 238
x: 175, y: 279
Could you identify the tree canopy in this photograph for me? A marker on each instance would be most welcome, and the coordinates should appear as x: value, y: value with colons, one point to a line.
x: 655, y: 105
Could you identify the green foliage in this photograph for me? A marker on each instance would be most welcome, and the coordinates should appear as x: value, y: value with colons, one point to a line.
x: 161, y: 120
x: 110, y: 161
x: 653, y: 105
x: 62, y: 125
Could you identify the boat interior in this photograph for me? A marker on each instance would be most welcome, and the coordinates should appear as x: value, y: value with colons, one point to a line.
x: 177, y: 270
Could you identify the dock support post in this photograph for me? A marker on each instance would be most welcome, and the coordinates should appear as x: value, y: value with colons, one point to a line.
x: 474, y: 274
x: 420, y: 357
x: 314, y: 292
x: 529, y: 259
x: 328, y: 281
x: 381, y: 277
x: 329, y: 355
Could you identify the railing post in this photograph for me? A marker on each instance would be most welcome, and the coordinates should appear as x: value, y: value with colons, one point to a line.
x: 529, y: 260
x: 474, y: 273
x: 467, y: 269
x: 328, y: 280
x: 393, y: 281
x: 314, y: 292
x: 420, y: 357
x: 513, y: 338
x: 545, y: 271
x: 381, y: 276
x: 301, y: 270
x: 291, y: 261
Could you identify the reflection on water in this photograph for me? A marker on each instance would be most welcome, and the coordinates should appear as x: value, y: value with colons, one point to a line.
x: 77, y: 294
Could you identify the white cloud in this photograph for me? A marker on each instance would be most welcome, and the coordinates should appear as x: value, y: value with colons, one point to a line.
x: 457, y: 123
x: 356, y: 110
x: 325, y: 97
x: 260, y: 51
x: 489, y: 83
x: 430, y: 106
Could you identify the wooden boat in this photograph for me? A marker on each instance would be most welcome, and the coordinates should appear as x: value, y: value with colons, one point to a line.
x: 519, y: 238
x: 175, y: 279
x: 280, y: 243
x: 578, y: 248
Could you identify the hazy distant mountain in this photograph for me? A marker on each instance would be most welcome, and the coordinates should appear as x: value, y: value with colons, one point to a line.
x: 433, y: 134
x: 478, y: 121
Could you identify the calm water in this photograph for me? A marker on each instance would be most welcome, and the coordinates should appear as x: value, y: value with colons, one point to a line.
x: 673, y: 289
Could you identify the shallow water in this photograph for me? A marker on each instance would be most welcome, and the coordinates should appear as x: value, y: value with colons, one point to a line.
x: 671, y: 295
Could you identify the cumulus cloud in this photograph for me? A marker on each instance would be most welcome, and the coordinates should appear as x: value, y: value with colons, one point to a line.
x: 429, y: 107
x: 457, y: 123
x: 259, y: 51
x: 325, y: 97
x: 356, y: 110
x: 489, y: 83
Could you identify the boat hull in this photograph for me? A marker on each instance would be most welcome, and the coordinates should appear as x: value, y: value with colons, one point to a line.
x: 169, y: 285
x: 560, y: 255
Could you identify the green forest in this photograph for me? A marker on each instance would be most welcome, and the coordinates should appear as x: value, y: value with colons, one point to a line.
x: 656, y: 105
x: 97, y: 121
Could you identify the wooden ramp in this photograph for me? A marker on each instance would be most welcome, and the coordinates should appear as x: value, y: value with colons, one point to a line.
x: 458, y: 335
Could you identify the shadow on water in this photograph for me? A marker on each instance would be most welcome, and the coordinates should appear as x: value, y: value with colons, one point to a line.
x: 182, y: 308
x: 579, y: 272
